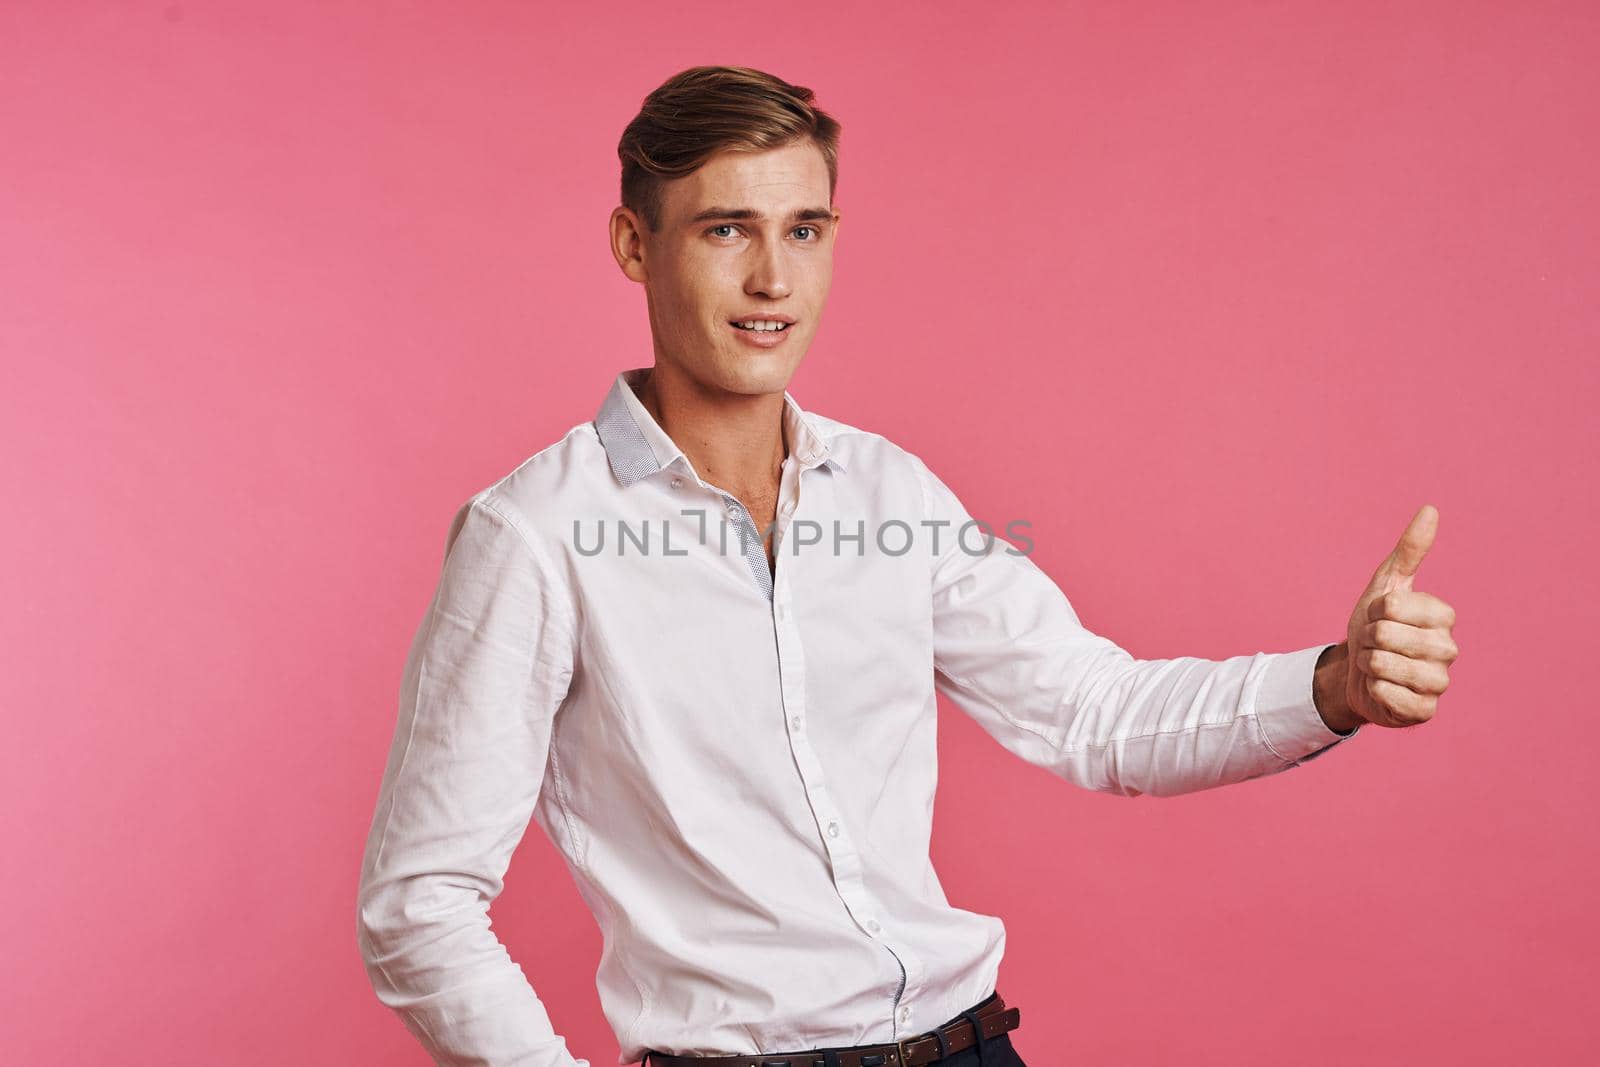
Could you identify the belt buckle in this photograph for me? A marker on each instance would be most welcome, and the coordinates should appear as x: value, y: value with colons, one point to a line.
x: 905, y: 1057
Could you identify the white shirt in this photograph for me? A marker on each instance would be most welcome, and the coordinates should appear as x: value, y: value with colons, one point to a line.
x: 738, y: 767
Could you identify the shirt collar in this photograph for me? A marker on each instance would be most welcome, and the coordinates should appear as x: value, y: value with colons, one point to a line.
x: 636, y: 445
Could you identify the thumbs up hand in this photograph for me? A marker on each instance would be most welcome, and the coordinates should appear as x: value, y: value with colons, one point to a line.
x: 1400, y: 645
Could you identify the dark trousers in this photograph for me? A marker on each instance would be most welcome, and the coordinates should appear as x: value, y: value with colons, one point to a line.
x: 996, y: 1051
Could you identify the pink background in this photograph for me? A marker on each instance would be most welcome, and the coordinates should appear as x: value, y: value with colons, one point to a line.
x: 1216, y: 295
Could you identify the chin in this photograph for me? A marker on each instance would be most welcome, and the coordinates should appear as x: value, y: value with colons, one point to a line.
x: 755, y: 373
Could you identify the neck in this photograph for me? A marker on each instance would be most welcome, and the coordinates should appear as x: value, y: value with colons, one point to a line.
x: 733, y: 441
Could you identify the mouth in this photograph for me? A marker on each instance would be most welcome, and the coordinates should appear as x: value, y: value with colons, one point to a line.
x: 762, y: 325
x: 768, y: 332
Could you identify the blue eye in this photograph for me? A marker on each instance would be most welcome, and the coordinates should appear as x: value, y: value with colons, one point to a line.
x: 812, y: 230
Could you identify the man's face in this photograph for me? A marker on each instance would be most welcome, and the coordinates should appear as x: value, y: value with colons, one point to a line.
x: 748, y: 236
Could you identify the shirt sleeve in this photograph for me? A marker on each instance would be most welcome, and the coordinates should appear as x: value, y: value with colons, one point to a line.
x: 1010, y: 651
x: 486, y: 672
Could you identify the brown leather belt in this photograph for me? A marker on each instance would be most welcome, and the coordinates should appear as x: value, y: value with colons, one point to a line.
x: 909, y: 1052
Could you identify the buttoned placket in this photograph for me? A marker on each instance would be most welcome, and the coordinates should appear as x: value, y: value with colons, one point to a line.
x: 845, y: 861
x: 744, y: 538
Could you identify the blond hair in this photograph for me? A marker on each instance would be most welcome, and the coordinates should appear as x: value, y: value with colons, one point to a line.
x: 704, y: 110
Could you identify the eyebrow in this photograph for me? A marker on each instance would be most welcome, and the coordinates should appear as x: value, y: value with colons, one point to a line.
x: 805, y: 214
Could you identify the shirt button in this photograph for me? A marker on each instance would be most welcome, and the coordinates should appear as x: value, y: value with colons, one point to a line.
x: 677, y: 483
x: 733, y: 507
x: 833, y: 829
x: 781, y: 611
x: 795, y: 722
x: 905, y: 1013
x: 872, y: 924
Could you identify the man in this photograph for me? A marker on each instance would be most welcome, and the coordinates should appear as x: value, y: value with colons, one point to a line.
x: 698, y: 640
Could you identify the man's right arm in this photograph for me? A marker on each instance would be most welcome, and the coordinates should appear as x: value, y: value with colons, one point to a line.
x: 488, y: 668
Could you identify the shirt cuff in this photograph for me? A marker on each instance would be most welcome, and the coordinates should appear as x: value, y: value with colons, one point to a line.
x: 1287, y: 711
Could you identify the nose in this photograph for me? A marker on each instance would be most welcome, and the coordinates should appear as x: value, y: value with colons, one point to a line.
x: 768, y: 275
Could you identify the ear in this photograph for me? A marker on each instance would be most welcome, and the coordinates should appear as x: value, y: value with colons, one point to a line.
x: 628, y: 243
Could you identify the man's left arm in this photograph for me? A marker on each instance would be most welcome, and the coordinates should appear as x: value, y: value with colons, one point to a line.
x: 1010, y: 651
